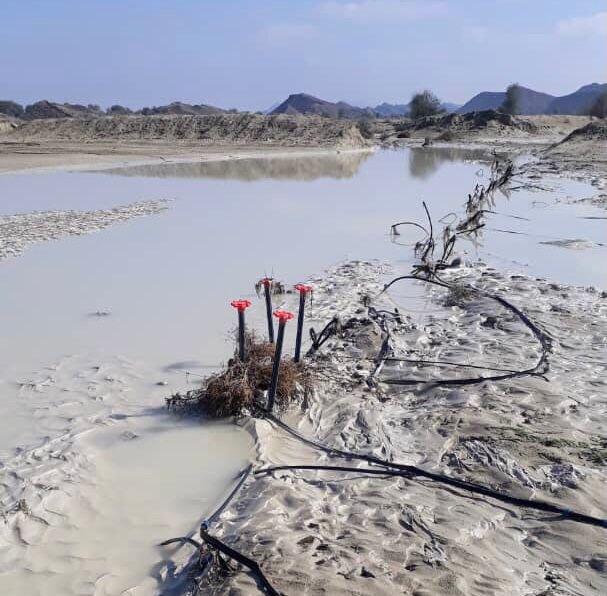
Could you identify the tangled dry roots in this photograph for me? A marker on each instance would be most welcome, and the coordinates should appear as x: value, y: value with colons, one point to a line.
x: 236, y: 389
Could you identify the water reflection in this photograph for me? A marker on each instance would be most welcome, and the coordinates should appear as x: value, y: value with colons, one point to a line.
x: 302, y: 168
x: 424, y: 161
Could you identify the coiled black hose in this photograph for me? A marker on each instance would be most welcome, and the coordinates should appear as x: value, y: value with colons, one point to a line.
x: 543, y: 339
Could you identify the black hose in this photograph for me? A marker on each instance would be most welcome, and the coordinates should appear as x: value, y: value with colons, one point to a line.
x: 543, y: 339
x: 318, y: 339
x: 431, y: 363
x: 250, y: 564
x: 411, y: 471
x: 243, y: 476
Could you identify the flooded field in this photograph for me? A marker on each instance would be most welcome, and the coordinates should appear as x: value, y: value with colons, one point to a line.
x: 99, y: 328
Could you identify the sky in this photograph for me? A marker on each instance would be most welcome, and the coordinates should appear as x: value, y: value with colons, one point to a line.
x: 251, y: 54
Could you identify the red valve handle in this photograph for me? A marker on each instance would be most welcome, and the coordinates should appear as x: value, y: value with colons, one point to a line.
x: 283, y: 315
x: 303, y: 288
x: 241, y: 305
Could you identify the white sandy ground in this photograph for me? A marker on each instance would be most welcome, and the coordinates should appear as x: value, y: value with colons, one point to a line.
x: 19, y: 231
x: 335, y: 533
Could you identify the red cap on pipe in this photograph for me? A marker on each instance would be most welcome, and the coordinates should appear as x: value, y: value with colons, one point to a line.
x: 267, y: 282
x: 283, y: 315
x: 303, y: 288
x: 241, y: 305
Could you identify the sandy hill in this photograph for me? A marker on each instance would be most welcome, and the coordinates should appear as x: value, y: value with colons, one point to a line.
x: 217, y: 128
x: 474, y: 123
x: 595, y: 130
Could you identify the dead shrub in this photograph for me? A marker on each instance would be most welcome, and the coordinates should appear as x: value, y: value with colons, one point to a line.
x: 236, y: 389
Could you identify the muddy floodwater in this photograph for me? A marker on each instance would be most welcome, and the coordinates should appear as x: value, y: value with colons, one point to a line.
x: 99, y: 328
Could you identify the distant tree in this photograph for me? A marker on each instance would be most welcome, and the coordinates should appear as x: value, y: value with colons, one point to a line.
x: 11, y: 108
x: 598, y: 108
x: 118, y: 110
x: 424, y: 104
x: 512, y: 102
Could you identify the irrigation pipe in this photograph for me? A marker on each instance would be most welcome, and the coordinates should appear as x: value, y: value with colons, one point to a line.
x: 410, y: 471
x: 541, y: 337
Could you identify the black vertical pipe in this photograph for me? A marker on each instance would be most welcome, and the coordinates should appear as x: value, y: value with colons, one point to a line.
x: 241, y: 349
x: 277, y: 354
x: 300, y: 321
x: 268, y: 293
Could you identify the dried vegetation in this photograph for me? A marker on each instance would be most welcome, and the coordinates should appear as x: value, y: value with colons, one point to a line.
x: 240, y: 388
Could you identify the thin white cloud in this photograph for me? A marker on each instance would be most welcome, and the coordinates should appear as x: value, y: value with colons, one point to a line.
x: 384, y: 10
x: 280, y: 34
x: 595, y: 24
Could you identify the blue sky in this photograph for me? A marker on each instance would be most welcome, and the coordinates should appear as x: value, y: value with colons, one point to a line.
x: 251, y: 54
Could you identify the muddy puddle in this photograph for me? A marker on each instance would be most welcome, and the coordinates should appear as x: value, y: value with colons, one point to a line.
x: 99, y: 328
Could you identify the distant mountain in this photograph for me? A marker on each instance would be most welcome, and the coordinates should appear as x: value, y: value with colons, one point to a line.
x: 270, y: 109
x: 11, y: 108
x: 531, y: 102
x: 302, y: 103
x: 391, y: 110
x: 178, y: 107
x: 47, y: 109
x: 579, y: 101
x: 535, y: 102
x: 450, y: 107
x: 485, y: 100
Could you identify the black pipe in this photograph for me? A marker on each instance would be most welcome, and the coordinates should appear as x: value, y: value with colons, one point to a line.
x: 410, y: 471
x: 277, y: 354
x: 303, y: 292
x: 267, y: 283
x: 283, y: 316
x: 241, y: 306
x: 300, y: 322
x: 241, y: 327
x: 250, y: 564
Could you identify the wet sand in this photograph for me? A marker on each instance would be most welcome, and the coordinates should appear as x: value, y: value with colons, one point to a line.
x: 533, y: 437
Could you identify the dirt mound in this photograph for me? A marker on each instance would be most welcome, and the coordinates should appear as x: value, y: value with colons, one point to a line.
x: 596, y: 130
x: 474, y: 121
x: 220, y: 128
